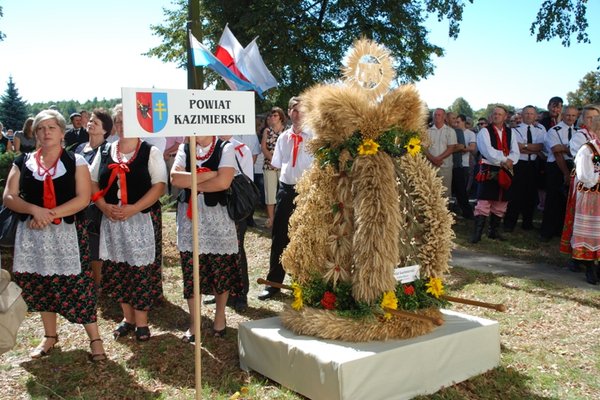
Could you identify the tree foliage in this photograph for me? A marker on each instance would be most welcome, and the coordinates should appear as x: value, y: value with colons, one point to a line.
x: 562, y: 19
x: 2, y: 35
x: 461, y: 106
x: 303, y: 41
x: 13, y: 110
x: 588, y: 91
x: 66, y: 107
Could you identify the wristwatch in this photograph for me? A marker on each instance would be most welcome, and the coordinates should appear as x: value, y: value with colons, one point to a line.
x: 525, y: 145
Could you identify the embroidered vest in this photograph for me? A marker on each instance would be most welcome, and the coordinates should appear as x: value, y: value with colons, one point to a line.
x: 138, y: 177
x: 494, y: 141
x: 32, y: 190
x: 214, y: 198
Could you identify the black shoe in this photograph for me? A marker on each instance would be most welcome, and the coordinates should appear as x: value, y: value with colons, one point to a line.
x: 240, y: 305
x: 574, y: 267
x: 509, y: 229
x: 268, y: 293
x: 590, y: 274
x: 209, y: 300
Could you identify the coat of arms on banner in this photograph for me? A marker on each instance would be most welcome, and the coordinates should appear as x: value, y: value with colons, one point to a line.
x: 152, y: 110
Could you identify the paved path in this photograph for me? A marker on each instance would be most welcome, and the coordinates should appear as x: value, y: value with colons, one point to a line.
x: 474, y: 260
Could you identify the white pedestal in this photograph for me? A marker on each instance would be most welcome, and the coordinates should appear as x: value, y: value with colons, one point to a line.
x: 463, y: 347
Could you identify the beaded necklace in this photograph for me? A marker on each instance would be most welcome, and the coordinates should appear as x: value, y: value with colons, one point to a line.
x: 43, y: 171
x: 210, y: 150
x: 137, y: 148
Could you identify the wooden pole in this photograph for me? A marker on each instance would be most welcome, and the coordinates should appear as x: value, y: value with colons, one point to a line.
x: 195, y: 81
x: 497, y: 307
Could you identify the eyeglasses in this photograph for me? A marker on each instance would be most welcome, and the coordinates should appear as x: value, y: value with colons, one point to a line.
x: 481, y: 123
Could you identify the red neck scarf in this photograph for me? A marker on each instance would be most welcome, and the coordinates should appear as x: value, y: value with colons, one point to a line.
x: 49, y: 196
x: 238, y: 148
x: 119, y: 169
x: 199, y: 170
x: 502, y: 145
x: 297, y: 138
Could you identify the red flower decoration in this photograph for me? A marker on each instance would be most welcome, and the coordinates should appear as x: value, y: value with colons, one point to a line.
x: 409, y: 290
x: 328, y: 301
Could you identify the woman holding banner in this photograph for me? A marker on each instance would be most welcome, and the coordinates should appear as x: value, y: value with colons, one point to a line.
x: 127, y: 181
x: 218, y: 245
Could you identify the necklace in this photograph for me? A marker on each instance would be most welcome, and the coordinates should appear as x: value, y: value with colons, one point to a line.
x: 210, y: 150
x: 43, y: 171
x: 120, y: 159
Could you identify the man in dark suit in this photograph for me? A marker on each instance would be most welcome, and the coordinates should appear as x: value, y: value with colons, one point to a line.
x: 77, y: 134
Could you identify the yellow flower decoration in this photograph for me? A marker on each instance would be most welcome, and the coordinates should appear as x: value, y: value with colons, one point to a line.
x: 368, y: 147
x: 435, y: 287
x: 413, y: 147
x: 297, y: 303
x: 389, y: 301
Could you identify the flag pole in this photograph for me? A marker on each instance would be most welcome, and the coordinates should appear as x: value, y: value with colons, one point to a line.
x: 195, y: 81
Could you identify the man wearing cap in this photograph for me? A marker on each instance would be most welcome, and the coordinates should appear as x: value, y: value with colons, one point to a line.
x: 552, y: 118
x: 292, y: 158
x: 77, y: 134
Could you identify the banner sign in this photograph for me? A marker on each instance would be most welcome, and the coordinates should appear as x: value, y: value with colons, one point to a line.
x: 407, y: 274
x: 177, y: 112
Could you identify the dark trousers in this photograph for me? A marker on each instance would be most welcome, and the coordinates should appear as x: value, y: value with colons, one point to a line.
x: 459, y: 188
x: 556, y: 201
x: 283, y: 211
x: 524, y: 186
x: 241, y: 228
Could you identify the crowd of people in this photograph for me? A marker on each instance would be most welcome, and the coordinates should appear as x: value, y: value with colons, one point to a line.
x: 512, y: 164
x: 90, y: 217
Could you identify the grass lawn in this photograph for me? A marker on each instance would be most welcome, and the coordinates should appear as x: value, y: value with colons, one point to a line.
x: 549, y: 338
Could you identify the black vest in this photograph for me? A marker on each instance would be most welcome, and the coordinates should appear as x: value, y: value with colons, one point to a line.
x: 214, y: 198
x: 32, y: 190
x: 494, y: 141
x: 138, y: 177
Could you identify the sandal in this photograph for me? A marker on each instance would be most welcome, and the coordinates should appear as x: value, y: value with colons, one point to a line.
x: 98, y: 356
x: 40, y: 352
x: 123, y: 329
x: 142, y: 333
x: 188, y: 337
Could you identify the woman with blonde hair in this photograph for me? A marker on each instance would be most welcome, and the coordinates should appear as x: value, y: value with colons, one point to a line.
x: 49, y: 188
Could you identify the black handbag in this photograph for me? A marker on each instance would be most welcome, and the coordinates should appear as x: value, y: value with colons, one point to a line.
x: 8, y: 226
x: 242, y: 196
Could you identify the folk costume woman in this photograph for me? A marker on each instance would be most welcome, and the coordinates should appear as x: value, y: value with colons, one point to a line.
x: 98, y: 125
x: 218, y: 244
x: 50, y: 187
x: 585, y: 237
x: 127, y: 181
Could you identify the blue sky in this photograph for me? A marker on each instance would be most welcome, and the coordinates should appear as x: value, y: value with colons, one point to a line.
x: 59, y: 50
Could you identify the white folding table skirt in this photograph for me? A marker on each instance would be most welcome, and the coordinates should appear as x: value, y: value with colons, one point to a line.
x: 464, y: 346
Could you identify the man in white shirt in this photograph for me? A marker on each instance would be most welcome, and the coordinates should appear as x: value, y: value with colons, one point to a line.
x: 530, y: 137
x: 439, y: 153
x: 558, y: 173
x: 292, y: 158
x: 499, y: 151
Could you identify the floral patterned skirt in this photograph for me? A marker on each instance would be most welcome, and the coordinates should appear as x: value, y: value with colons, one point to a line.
x: 72, y: 296
x: 138, y: 286
x: 218, y: 273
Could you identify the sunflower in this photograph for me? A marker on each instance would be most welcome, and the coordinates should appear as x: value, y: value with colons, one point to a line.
x: 297, y: 303
x: 389, y: 300
x: 435, y: 287
x: 368, y: 147
x: 413, y: 147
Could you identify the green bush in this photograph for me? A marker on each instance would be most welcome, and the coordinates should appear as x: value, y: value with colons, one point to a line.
x: 6, y: 162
